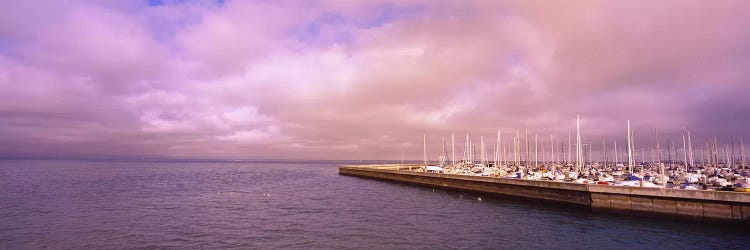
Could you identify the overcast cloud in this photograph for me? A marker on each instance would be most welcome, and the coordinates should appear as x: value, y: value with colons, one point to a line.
x: 361, y: 79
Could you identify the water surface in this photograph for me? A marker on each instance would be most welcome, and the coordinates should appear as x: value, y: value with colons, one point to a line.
x: 114, y: 205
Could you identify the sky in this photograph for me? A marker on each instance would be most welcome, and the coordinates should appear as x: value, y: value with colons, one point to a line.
x: 349, y: 80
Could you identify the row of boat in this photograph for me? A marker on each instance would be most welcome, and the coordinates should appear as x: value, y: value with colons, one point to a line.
x: 711, y: 173
x: 647, y: 175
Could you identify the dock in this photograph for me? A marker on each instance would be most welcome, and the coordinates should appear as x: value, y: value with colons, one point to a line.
x: 715, y: 207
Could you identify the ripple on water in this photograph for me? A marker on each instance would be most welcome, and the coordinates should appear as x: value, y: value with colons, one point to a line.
x: 112, y: 205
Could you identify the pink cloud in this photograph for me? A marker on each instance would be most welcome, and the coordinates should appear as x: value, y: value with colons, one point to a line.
x: 286, y: 79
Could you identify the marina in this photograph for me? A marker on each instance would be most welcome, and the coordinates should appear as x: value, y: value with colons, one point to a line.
x: 720, y: 167
x: 716, y: 207
x: 713, y: 189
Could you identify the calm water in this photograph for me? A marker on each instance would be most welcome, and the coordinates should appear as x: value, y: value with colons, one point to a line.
x: 79, y: 204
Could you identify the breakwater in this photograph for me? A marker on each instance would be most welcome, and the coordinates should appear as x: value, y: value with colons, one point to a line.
x: 689, y: 205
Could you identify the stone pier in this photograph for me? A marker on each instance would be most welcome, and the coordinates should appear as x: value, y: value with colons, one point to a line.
x: 719, y: 207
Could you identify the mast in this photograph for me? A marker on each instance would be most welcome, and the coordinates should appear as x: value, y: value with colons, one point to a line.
x: 515, y: 153
x: 467, y: 149
x: 497, y: 149
x: 653, y: 158
x: 684, y: 148
x: 527, y: 160
x: 442, y: 154
x: 579, y: 150
x: 742, y: 153
x: 710, y: 152
x: 670, y: 151
x: 536, y: 151
x: 514, y: 150
x: 567, y: 159
x: 714, y: 153
x: 658, y: 150
x: 505, y: 155
x: 630, y: 151
x: 453, y: 150
x: 631, y: 157
x: 616, y: 153
x: 466, y: 143
x: 604, y: 152
x: 552, y: 143
x: 658, y: 159
x: 483, y: 154
x: 733, y: 156
x: 473, y: 152
x: 690, y: 150
x: 424, y: 137
x: 518, y: 148
x: 707, y: 153
x: 726, y: 154
x: 635, y: 149
x: 544, y: 153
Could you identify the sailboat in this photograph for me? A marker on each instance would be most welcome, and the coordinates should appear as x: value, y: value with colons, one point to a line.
x: 429, y: 168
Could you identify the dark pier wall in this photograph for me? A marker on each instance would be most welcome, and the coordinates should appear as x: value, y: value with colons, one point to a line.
x: 688, y: 205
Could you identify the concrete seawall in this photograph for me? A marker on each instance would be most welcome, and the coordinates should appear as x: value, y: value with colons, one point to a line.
x: 689, y: 205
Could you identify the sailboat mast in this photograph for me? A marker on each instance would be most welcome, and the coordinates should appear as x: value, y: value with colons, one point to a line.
x: 733, y: 156
x: 742, y: 153
x: 473, y: 151
x: 670, y: 150
x: 443, y: 154
x: 453, y: 150
x: 518, y: 148
x: 658, y: 150
x: 536, y: 151
x: 726, y: 154
x: 424, y: 138
x: 630, y: 151
x: 684, y: 148
x: 515, y: 155
x: 653, y: 157
x: 544, y: 153
x: 496, y: 156
x: 552, y: 145
x: 499, y: 144
x: 658, y: 159
x: 690, y: 150
x: 579, y: 150
x: 466, y: 149
x: 482, y: 154
x: 527, y: 159
x: 616, y: 153
x: 505, y: 155
x: 714, y: 153
x: 604, y: 152
x: 567, y: 158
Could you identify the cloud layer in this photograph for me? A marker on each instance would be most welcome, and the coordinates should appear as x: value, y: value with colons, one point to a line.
x: 355, y: 80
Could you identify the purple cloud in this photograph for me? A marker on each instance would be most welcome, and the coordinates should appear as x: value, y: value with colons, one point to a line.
x: 345, y: 80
